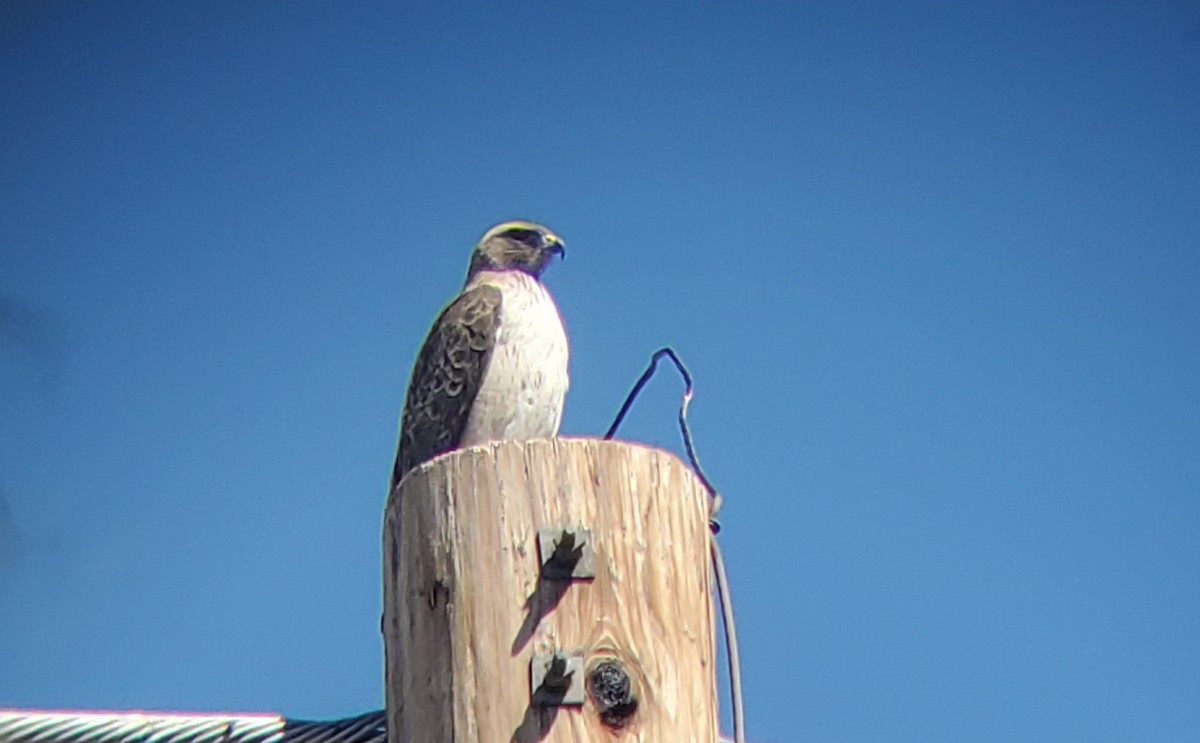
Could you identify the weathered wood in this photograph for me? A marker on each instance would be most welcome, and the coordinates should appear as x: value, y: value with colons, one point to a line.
x: 465, y: 607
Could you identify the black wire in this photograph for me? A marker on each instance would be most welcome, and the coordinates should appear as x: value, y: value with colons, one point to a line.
x: 731, y: 644
x: 683, y: 408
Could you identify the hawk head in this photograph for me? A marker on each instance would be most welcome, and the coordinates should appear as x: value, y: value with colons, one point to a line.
x: 516, y: 245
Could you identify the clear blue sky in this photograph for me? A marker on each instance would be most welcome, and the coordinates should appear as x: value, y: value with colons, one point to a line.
x: 935, y: 266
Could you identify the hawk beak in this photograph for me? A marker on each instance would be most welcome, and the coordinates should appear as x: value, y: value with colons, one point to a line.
x: 556, y: 247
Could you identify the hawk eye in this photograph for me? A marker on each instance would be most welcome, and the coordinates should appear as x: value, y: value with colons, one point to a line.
x: 524, y: 236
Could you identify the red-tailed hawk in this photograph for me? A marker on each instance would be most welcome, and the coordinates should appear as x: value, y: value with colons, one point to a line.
x: 495, y: 363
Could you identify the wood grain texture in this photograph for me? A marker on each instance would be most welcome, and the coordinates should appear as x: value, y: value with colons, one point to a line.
x: 464, y: 606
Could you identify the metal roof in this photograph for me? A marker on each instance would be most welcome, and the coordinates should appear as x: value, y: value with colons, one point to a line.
x: 37, y: 726
x: 64, y: 726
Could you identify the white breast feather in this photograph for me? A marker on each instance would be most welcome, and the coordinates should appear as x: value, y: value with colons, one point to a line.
x: 523, y: 390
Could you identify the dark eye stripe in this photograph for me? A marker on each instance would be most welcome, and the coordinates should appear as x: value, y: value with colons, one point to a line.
x: 521, y: 235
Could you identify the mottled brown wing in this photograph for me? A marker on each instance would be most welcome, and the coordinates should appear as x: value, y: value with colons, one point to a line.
x: 447, y: 377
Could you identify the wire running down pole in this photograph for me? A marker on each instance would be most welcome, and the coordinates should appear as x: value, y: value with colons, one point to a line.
x: 731, y: 646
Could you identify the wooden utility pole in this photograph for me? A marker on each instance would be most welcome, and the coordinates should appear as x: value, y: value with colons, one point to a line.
x: 556, y: 590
